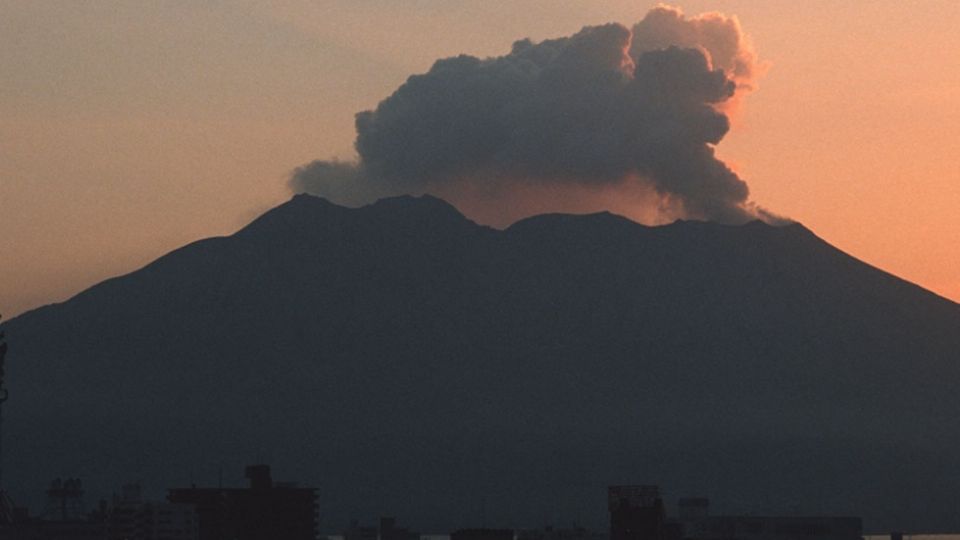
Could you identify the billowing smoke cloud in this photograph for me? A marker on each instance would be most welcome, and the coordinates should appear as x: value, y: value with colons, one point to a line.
x: 609, y: 109
x: 720, y: 36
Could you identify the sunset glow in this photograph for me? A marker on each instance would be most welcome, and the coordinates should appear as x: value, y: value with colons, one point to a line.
x: 129, y: 130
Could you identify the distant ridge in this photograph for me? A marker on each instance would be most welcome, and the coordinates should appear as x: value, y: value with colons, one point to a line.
x: 409, y: 362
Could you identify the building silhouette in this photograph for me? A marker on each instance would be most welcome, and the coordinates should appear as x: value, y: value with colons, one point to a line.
x: 695, y: 522
x: 636, y: 513
x: 356, y: 531
x: 64, y: 501
x: 482, y: 534
x: 693, y: 508
x: 386, y: 530
x: 132, y: 518
x: 64, y: 515
x: 264, y: 511
x: 552, y: 533
x: 63, y: 518
x: 390, y: 531
x: 128, y: 517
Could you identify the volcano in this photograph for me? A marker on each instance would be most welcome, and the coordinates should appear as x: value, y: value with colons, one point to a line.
x: 408, y: 361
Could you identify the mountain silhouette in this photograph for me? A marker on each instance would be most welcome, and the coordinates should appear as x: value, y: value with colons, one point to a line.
x: 407, y: 361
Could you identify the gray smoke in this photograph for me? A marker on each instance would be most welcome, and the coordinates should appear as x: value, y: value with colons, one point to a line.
x: 608, y: 107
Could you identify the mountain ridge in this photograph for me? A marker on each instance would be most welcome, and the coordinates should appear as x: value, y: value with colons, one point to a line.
x: 382, y: 351
x: 524, y: 223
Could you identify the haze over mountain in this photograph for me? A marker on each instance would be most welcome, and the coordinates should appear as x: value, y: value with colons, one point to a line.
x: 410, y: 362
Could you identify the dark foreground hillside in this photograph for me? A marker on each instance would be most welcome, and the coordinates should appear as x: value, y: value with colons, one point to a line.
x: 409, y: 362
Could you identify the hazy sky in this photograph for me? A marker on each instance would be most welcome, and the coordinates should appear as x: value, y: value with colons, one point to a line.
x: 130, y: 128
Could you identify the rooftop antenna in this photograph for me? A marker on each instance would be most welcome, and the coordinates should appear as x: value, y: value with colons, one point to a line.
x: 6, y: 506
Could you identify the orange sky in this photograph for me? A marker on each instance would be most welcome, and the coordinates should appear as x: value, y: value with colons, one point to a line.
x: 129, y: 129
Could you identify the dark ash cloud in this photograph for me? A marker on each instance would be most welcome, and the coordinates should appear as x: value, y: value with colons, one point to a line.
x: 609, y: 107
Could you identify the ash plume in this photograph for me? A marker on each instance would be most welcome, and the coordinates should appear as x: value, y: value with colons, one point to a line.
x: 609, y: 110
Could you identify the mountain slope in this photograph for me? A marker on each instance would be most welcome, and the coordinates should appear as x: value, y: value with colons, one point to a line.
x: 408, y: 361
